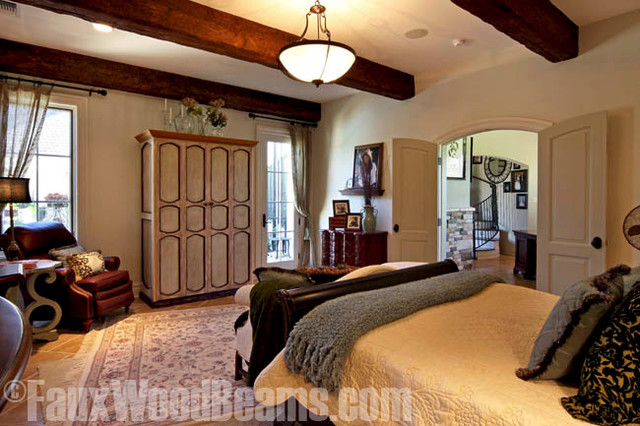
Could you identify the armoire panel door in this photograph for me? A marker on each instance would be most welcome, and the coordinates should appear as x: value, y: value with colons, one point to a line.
x: 196, y: 171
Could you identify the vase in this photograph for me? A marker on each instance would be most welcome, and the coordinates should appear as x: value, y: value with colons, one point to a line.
x: 369, y: 219
x: 211, y: 130
x: 183, y: 123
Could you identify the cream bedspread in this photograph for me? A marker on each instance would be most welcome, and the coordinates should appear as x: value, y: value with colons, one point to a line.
x: 457, y: 360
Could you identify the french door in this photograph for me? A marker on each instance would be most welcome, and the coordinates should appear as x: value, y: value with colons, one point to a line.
x: 278, y: 217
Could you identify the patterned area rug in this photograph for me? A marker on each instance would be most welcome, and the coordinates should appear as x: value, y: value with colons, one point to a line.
x: 172, y: 367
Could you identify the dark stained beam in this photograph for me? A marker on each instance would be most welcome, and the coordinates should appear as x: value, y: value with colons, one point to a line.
x: 537, y: 24
x: 192, y: 24
x: 54, y: 64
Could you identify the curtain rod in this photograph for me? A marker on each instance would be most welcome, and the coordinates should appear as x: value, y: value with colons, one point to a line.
x: 303, y: 123
x: 26, y: 80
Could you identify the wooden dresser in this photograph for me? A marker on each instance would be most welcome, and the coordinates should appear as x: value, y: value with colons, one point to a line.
x: 526, y: 246
x: 353, y: 248
x: 197, y: 208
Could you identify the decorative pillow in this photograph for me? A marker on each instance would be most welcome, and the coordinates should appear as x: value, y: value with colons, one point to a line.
x: 282, y: 275
x: 86, y: 264
x: 571, y: 323
x: 631, y: 279
x: 61, y: 254
x: 326, y: 274
x: 366, y: 271
x: 610, y: 381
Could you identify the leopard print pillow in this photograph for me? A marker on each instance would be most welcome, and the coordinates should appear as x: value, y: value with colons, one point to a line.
x: 609, y: 391
x: 86, y: 264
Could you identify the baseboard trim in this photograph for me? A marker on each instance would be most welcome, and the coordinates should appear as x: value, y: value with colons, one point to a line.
x: 185, y: 299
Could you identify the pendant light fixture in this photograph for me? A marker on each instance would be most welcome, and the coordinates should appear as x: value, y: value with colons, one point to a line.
x: 316, y: 61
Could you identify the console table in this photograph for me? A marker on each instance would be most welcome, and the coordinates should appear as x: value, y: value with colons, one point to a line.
x: 526, y: 246
x: 353, y: 248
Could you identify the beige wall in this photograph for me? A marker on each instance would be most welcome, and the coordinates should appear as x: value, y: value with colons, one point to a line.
x: 604, y: 77
x: 518, y: 146
x: 109, y: 169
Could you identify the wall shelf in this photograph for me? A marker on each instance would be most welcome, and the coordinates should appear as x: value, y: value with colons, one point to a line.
x: 359, y: 191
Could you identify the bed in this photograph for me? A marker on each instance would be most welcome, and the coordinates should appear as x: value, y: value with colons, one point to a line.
x: 457, y: 359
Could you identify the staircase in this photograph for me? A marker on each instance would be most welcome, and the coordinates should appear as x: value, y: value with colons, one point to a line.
x: 486, y: 231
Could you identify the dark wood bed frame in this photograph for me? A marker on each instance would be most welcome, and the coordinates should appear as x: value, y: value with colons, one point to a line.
x: 297, y: 302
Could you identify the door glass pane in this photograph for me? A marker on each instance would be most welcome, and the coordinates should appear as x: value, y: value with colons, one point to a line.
x: 280, y: 209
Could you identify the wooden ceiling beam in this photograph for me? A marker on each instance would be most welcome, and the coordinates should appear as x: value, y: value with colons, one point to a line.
x: 192, y: 24
x: 538, y: 24
x: 58, y: 65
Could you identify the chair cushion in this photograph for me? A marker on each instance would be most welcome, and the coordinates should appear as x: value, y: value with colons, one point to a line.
x: 104, y: 281
x: 38, y: 238
x: 114, y: 291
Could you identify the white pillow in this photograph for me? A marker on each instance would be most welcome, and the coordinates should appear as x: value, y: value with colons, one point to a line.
x: 242, y: 295
x: 366, y: 271
x: 404, y: 265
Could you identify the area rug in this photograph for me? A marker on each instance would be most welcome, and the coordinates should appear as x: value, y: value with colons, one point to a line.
x: 174, y: 367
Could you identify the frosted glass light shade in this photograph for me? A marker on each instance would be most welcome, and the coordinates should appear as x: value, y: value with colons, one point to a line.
x: 309, y: 62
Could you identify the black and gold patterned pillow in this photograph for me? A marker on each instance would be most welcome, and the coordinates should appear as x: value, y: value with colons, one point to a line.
x: 609, y: 391
x: 86, y: 264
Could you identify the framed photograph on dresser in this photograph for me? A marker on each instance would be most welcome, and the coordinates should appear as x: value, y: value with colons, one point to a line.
x: 341, y: 207
x: 354, y: 222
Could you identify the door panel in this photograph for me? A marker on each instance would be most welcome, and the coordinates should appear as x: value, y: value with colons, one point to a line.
x: 169, y: 172
x: 572, y: 207
x: 195, y: 263
x: 219, y: 260
x: 415, y: 201
x: 169, y: 265
x: 241, y: 257
x: 195, y: 174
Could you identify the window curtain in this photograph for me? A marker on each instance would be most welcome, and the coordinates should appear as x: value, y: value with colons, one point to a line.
x: 300, y: 164
x: 22, y: 113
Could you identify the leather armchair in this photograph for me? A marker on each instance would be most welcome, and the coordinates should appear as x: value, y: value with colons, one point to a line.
x: 81, y: 300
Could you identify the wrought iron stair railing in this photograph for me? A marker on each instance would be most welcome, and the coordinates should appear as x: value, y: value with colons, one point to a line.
x: 485, y: 219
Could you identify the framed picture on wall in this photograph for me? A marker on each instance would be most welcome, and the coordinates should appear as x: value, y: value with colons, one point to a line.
x: 522, y: 201
x: 506, y: 187
x: 354, y: 222
x: 455, y: 152
x: 476, y: 159
x: 341, y: 207
x: 519, y: 181
x: 367, y: 161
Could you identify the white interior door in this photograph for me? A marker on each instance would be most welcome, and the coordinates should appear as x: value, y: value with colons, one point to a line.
x: 415, y: 201
x: 572, y: 201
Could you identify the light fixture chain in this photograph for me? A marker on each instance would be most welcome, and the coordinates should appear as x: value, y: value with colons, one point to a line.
x: 306, y: 27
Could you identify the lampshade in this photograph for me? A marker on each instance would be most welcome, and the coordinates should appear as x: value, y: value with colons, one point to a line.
x: 316, y: 61
x: 14, y: 190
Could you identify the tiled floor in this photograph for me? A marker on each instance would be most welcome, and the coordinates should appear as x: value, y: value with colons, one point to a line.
x: 67, y: 346
x: 503, y: 266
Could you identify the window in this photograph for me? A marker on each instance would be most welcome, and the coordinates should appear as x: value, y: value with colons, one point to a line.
x: 50, y: 174
x: 280, y: 220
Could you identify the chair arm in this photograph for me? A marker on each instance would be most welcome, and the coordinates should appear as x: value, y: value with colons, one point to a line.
x: 112, y: 263
x: 79, y: 302
x: 66, y: 276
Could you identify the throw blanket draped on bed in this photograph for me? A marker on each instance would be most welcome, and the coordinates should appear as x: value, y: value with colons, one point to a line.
x: 266, y: 318
x: 322, y: 340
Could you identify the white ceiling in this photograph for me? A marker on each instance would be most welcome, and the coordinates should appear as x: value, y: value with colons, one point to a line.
x: 374, y: 28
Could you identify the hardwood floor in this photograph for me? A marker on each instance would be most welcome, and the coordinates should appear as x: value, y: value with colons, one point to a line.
x: 503, y: 266
x: 67, y: 346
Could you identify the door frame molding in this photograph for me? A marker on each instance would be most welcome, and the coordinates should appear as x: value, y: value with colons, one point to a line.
x: 477, y: 126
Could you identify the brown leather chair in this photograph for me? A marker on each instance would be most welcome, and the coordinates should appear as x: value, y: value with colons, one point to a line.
x: 83, y: 299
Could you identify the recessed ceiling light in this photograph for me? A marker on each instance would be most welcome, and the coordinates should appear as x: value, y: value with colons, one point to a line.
x: 103, y: 28
x: 416, y: 33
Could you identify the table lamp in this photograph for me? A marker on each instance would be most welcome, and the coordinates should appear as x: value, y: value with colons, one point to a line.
x: 13, y: 190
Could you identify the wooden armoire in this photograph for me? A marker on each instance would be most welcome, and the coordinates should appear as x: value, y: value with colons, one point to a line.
x: 197, y: 208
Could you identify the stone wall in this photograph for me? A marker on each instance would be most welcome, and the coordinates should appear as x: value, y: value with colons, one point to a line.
x: 460, y: 236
